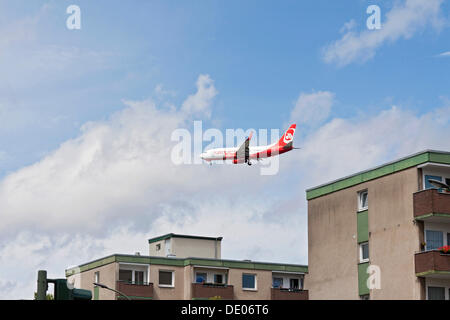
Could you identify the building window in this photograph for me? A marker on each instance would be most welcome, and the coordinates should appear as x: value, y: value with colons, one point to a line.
x: 139, y: 277
x: 249, y: 281
x: 428, y: 185
x: 364, y: 297
x: 166, y: 278
x: 434, y: 239
x: 436, y: 293
x: 364, y: 252
x: 97, y: 277
x: 158, y: 247
x: 218, y: 278
x: 293, y: 284
x: 277, y: 282
x: 363, y: 200
x: 200, y: 277
x: 126, y: 276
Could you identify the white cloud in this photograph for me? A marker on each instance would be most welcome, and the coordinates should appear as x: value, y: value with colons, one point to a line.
x: 348, y: 26
x: 200, y: 102
x: 114, y: 186
x: 402, y: 21
x: 312, y: 108
x: 118, y: 175
x: 345, y: 146
x: 444, y: 54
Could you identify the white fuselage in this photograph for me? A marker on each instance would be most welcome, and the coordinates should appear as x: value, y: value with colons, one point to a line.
x: 229, y: 153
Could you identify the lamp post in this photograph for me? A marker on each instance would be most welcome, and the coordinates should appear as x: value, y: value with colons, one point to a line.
x: 108, y: 288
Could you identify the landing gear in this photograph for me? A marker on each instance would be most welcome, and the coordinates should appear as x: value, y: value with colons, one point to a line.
x: 249, y: 163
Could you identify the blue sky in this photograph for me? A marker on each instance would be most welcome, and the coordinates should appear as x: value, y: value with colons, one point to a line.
x: 260, y: 54
x: 86, y: 115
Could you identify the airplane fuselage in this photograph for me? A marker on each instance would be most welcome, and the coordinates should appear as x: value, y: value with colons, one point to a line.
x: 245, y: 153
x: 255, y: 152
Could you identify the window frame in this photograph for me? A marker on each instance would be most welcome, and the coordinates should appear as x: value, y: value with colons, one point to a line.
x: 127, y: 270
x: 360, y: 202
x: 361, y: 259
x: 443, y: 233
x: 221, y: 275
x: 201, y: 272
x: 172, y: 285
x: 256, y: 282
x: 281, y: 283
x: 436, y: 287
x: 298, y: 284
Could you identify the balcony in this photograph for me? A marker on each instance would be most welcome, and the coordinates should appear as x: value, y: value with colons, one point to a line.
x: 432, y: 205
x: 134, y: 291
x: 432, y: 264
x: 212, y: 291
x: 289, y: 294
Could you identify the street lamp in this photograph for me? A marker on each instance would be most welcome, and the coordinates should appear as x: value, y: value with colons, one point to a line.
x: 108, y: 288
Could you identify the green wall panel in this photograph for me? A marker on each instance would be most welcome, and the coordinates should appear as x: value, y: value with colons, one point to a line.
x: 363, y: 226
x: 362, y: 278
x: 96, y: 292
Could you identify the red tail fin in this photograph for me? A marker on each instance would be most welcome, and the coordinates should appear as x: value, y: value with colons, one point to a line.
x: 288, y: 136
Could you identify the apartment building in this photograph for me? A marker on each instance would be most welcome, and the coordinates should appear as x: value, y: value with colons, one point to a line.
x: 188, y: 267
x: 376, y: 234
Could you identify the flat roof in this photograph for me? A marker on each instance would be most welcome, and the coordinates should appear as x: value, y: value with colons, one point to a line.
x: 432, y: 156
x: 174, y: 235
x: 182, y: 262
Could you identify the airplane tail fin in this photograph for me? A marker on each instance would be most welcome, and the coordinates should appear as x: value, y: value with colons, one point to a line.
x: 288, y: 136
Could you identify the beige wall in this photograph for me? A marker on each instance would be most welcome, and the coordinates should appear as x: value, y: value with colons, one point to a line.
x: 188, y: 279
x: 157, y: 253
x: 263, y: 284
x: 164, y: 293
x: 394, y: 237
x: 188, y: 247
x: 108, y: 275
x: 199, y: 248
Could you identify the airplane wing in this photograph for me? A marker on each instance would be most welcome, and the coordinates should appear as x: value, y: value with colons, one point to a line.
x: 243, y: 152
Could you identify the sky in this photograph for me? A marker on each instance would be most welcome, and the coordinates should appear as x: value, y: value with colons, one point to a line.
x: 86, y: 118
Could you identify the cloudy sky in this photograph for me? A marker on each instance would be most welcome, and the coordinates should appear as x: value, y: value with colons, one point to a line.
x: 86, y: 118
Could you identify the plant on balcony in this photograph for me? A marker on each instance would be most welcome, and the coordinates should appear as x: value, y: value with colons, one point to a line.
x: 444, y: 249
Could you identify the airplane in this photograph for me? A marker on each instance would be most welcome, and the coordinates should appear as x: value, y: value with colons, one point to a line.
x: 245, y: 153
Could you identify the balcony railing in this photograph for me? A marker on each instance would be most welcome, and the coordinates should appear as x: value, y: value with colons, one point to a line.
x: 289, y: 294
x: 212, y: 291
x: 429, y: 263
x: 431, y: 203
x: 135, y: 291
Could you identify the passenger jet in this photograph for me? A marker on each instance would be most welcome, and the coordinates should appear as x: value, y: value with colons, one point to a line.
x: 245, y: 153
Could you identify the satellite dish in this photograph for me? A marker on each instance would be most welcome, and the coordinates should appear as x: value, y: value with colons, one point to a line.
x: 439, y: 184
